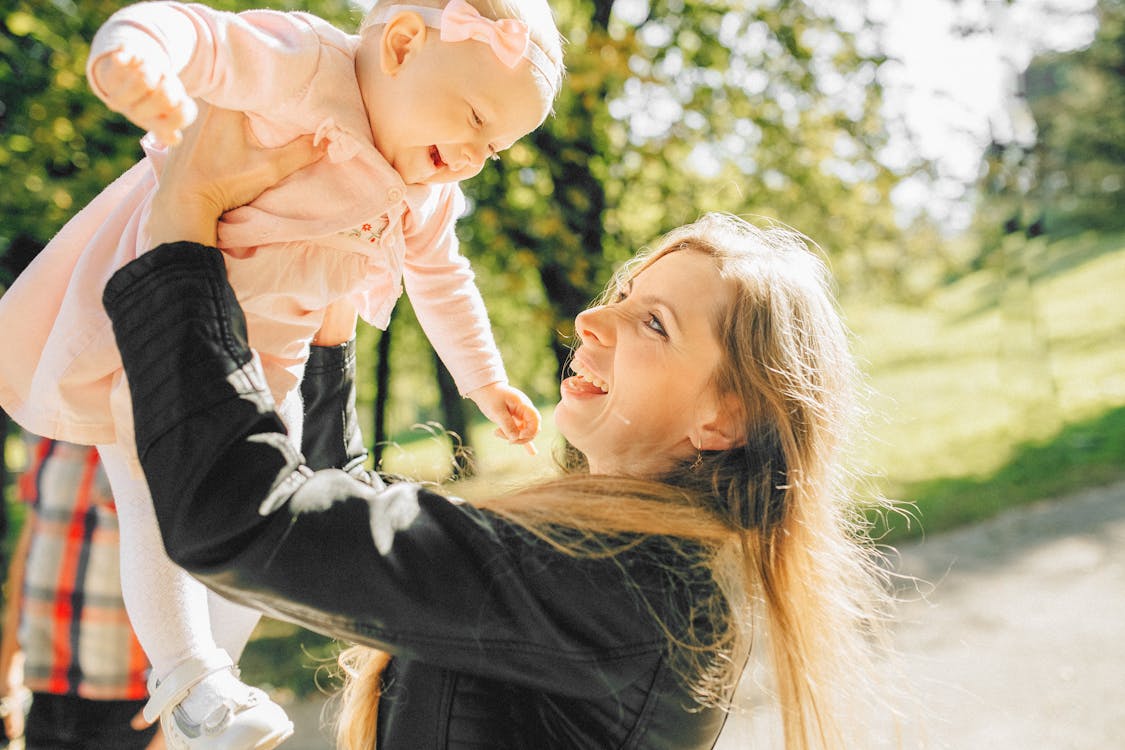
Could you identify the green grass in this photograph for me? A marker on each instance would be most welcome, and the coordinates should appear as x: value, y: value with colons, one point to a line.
x: 289, y: 661
x: 995, y: 394
x: 1081, y: 454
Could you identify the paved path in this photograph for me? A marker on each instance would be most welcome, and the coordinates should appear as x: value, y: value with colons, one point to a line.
x: 1018, y: 643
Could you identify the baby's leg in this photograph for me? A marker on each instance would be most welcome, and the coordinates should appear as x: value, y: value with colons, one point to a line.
x: 196, y: 693
x: 167, y: 607
x: 231, y: 624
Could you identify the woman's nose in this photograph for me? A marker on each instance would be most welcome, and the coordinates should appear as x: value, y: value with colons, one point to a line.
x: 595, y: 326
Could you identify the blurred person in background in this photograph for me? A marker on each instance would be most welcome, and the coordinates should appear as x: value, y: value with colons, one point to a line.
x: 67, y: 645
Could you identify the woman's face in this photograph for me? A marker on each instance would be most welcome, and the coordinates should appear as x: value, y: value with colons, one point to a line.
x: 641, y: 396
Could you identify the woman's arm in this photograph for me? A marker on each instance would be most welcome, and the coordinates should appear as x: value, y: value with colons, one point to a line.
x: 399, y: 568
x: 332, y: 438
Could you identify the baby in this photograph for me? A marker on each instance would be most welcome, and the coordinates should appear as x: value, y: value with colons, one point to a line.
x: 414, y: 103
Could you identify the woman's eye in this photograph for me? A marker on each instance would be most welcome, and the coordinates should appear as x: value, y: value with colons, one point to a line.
x: 654, y: 323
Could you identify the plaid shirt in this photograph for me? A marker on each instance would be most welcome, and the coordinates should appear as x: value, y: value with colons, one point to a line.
x: 73, y: 628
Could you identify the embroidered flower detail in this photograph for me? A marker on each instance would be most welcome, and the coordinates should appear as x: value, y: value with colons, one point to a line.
x: 369, y: 231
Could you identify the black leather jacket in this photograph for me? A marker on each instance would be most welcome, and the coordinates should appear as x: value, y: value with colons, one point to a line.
x: 498, y: 640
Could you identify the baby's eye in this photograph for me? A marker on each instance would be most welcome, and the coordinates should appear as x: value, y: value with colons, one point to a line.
x: 476, y: 118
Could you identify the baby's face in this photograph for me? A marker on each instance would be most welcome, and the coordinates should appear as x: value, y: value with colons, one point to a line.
x: 439, y: 110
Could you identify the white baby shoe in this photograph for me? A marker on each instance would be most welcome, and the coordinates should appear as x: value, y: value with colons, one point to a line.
x: 230, y: 715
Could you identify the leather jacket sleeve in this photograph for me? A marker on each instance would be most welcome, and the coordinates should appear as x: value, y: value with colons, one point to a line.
x: 398, y: 568
x: 332, y: 437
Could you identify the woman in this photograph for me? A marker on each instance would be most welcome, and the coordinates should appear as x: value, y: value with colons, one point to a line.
x: 612, y: 607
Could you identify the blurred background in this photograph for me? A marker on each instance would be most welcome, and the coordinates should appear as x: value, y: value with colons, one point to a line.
x: 961, y: 163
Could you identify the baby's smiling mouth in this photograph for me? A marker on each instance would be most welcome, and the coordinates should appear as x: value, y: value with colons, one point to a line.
x: 435, y: 157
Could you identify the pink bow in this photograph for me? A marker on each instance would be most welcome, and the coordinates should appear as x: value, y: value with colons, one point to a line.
x: 507, y: 37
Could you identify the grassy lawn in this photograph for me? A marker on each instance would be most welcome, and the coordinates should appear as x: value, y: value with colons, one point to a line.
x: 994, y: 394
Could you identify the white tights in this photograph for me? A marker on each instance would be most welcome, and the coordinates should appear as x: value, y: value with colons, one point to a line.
x: 173, y: 615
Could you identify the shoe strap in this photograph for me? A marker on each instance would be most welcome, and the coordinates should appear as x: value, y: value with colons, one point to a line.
x: 178, y: 683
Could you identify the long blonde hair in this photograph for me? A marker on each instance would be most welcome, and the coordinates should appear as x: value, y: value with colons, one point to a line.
x: 774, y: 516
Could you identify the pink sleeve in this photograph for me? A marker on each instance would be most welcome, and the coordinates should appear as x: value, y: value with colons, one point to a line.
x: 445, y: 297
x: 245, y: 61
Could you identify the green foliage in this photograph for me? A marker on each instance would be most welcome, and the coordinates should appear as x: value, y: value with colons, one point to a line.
x: 1078, y: 101
x: 285, y: 658
x: 770, y: 110
x: 58, y: 145
x: 1071, y: 178
x: 694, y: 106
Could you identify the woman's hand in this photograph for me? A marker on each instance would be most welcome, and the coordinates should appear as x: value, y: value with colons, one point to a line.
x: 218, y: 166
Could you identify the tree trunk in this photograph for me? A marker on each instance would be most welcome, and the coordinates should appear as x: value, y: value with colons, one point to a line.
x: 4, y: 423
x: 382, y: 391
x: 455, y: 419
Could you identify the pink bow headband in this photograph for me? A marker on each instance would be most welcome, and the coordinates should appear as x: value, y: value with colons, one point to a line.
x: 508, y: 38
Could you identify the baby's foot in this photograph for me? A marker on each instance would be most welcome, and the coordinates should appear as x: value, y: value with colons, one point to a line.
x: 204, y: 706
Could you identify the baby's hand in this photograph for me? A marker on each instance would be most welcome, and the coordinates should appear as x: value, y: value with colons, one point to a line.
x: 145, y: 89
x: 510, y: 409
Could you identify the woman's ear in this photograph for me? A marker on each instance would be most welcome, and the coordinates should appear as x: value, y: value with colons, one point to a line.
x: 721, y: 427
x: 403, y: 37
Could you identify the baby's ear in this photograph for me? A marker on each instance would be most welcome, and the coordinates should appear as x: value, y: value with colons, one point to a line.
x: 403, y: 37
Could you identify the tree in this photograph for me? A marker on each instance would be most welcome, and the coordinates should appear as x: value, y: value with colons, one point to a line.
x: 1078, y: 102
x: 674, y: 107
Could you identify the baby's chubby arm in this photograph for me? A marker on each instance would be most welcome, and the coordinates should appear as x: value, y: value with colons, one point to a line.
x: 149, y: 59
x: 511, y: 410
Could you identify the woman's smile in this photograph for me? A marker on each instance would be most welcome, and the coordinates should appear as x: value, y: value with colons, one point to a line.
x: 584, y: 381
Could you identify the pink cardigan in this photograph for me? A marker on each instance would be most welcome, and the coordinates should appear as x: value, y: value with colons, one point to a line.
x: 345, y: 226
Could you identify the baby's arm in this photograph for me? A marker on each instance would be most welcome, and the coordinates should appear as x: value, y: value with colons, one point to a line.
x: 452, y: 313
x: 148, y: 61
x: 134, y: 66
